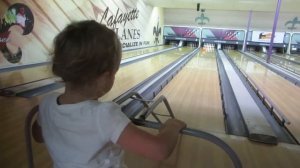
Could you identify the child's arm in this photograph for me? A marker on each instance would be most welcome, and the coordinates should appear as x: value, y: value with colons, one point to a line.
x: 156, y: 147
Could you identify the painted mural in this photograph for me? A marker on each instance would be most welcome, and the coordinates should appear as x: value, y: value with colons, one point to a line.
x: 157, y: 32
x: 27, y: 28
x: 181, y: 32
x: 223, y: 34
x: 18, y: 15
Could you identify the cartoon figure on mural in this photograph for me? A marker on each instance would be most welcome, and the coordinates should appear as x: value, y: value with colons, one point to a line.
x: 156, y: 33
x: 293, y: 22
x: 20, y: 15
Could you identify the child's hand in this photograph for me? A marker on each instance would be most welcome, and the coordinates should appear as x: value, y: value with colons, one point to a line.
x: 156, y: 147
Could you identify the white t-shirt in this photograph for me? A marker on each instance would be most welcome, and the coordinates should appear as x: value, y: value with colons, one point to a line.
x: 82, y: 134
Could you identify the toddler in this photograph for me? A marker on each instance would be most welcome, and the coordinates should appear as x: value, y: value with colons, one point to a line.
x: 78, y: 130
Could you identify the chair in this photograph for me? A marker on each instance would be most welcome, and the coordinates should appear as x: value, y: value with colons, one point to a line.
x: 28, y: 132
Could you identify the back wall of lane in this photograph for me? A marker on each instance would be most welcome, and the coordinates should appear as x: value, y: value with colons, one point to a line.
x: 230, y: 19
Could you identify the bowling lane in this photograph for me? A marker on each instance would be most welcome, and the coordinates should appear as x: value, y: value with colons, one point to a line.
x: 281, y: 92
x: 281, y: 62
x: 131, y: 75
x: 18, y: 77
x: 132, y: 53
x: 294, y: 65
x: 194, y: 94
x: 293, y: 57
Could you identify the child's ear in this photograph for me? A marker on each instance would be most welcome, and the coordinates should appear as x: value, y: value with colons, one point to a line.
x: 108, y: 74
x: 113, y: 72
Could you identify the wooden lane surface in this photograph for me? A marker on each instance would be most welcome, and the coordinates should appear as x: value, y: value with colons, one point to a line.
x: 194, y: 94
x: 137, y: 52
x: 283, y: 63
x: 192, y: 152
x: 281, y: 92
x: 293, y: 57
x: 12, y: 143
x: 22, y: 76
x: 18, y: 77
x: 129, y: 76
x: 291, y: 65
x: 14, y: 110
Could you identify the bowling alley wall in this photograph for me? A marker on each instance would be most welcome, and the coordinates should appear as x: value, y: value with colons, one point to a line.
x: 261, y: 20
x: 28, y: 27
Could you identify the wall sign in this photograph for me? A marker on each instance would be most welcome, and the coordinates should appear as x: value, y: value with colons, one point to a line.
x: 265, y: 37
x: 202, y: 19
x: 291, y: 24
x: 118, y: 20
x: 156, y: 33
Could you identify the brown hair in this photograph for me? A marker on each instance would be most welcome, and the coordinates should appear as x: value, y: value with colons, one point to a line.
x: 84, y: 50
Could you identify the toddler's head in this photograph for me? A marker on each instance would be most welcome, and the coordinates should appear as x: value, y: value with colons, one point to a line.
x: 84, y: 51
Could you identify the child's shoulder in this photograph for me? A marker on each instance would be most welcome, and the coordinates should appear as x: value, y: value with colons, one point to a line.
x: 107, y: 106
x: 108, y: 110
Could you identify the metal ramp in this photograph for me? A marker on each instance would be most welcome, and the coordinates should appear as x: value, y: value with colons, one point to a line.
x: 149, y: 105
x: 148, y: 108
